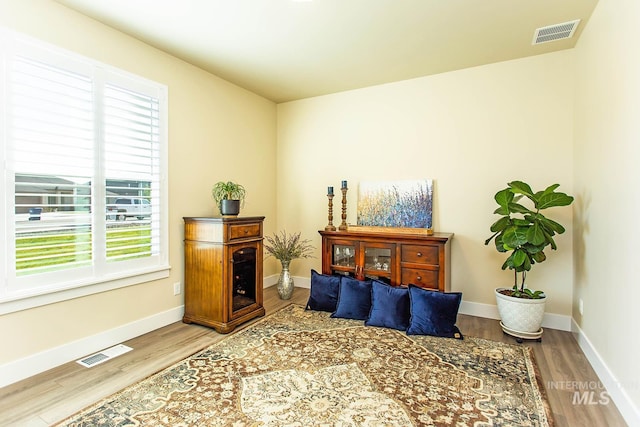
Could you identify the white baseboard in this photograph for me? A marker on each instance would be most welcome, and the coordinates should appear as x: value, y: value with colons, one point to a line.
x: 490, y: 311
x: 298, y: 281
x: 302, y: 282
x: 34, y: 364
x: 269, y: 281
x: 616, y: 389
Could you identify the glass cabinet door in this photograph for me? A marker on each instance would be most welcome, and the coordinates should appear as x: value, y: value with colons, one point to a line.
x: 344, y: 255
x: 362, y: 260
x: 378, y: 261
x: 244, y: 277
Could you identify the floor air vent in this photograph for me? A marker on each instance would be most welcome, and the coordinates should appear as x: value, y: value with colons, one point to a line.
x: 104, y: 355
x: 555, y: 32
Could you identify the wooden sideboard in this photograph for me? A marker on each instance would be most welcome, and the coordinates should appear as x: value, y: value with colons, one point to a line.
x: 397, y: 257
x: 223, y: 271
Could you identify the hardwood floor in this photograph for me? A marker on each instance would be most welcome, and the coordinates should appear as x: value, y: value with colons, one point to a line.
x: 53, y: 395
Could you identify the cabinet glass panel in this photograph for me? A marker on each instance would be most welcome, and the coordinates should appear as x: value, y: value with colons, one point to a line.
x: 244, y: 278
x: 344, y: 255
x: 377, y: 259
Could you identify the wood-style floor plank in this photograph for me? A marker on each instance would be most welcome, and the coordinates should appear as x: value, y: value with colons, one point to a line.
x: 54, y: 395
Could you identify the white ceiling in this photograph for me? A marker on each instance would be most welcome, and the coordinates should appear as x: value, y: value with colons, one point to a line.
x: 292, y: 49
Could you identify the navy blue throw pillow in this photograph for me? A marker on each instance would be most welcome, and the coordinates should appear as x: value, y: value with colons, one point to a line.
x: 354, y: 299
x: 324, y: 292
x: 434, y: 313
x: 390, y: 307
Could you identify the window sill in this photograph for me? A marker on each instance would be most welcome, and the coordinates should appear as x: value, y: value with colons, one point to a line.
x: 26, y: 301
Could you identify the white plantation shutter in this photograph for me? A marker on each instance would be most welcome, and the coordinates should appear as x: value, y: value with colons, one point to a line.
x: 76, y: 137
x: 132, y: 156
x: 52, y: 119
x: 51, y: 155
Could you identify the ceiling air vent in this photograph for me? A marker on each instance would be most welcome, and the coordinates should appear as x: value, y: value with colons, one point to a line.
x: 555, y: 32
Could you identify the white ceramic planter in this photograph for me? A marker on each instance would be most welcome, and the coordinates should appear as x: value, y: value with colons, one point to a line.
x: 520, y: 315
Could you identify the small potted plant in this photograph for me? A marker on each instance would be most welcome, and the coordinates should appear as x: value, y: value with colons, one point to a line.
x: 229, y: 197
x: 285, y: 248
x: 524, y: 233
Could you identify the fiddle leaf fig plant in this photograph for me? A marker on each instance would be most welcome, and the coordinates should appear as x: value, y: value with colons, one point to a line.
x: 523, y: 231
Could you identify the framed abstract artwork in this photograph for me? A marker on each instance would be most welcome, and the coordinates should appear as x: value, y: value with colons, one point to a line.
x: 405, y: 204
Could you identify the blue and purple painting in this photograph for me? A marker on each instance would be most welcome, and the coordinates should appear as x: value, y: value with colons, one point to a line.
x: 407, y: 204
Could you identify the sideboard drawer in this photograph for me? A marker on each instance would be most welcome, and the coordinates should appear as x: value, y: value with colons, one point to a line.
x: 243, y: 231
x: 423, y: 278
x: 420, y: 254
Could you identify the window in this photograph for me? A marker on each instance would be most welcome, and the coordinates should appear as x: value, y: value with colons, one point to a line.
x: 84, y: 158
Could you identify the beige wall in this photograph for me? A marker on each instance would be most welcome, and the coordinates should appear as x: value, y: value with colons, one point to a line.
x: 607, y: 177
x: 217, y: 131
x: 472, y: 131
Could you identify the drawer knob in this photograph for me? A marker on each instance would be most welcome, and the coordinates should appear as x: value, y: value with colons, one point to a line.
x: 419, y: 278
x: 419, y: 254
x: 246, y: 231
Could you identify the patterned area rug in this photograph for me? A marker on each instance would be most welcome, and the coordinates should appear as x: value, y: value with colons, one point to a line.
x: 303, y: 368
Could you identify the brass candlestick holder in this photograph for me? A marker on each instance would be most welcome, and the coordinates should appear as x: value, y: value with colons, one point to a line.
x: 330, y: 226
x: 344, y: 189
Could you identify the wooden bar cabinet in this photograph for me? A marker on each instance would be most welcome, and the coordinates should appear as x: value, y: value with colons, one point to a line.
x: 223, y: 271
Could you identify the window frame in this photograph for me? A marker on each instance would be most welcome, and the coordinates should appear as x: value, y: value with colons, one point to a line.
x: 11, y: 299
